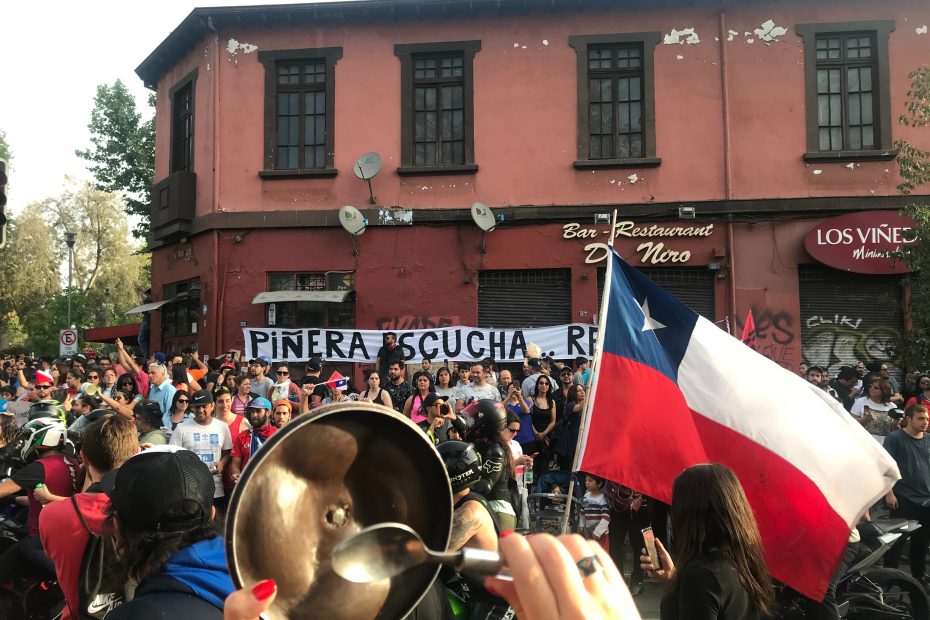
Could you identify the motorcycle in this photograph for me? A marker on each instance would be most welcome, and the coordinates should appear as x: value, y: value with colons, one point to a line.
x: 867, y: 591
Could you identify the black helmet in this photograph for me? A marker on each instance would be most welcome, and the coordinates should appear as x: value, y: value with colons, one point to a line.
x: 490, y: 418
x: 463, y: 464
x: 46, y: 409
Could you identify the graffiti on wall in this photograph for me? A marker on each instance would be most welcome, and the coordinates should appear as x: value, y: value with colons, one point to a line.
x: 776, y: 337
x: 414, y: 321
x: 841, y: 340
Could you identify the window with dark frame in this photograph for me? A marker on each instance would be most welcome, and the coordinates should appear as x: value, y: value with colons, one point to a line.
x: 846, y: 99
x: 182, y: 128
x: 847, y: 90
x: 181, y: 316
x: 314, y: 313
x: 437, y: 114
x: 299, y: 112
x: 616, y: 100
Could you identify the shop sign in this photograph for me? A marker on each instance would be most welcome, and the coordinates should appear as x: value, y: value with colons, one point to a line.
x: 652, y: 251
x: 861, y: 242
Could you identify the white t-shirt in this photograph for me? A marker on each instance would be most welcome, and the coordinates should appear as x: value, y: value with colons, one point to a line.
x: 473, y: 392
x: 207, y: 442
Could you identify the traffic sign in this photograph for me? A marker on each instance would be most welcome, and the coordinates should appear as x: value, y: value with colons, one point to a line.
x: 67, y: 342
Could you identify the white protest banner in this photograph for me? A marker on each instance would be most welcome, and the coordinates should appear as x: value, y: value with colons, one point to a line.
x: 447, y: 343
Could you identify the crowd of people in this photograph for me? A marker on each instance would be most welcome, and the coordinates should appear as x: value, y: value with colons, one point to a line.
x: 129, y: 461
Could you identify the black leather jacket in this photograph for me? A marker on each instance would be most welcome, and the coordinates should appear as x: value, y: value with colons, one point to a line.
x: 496, y: 471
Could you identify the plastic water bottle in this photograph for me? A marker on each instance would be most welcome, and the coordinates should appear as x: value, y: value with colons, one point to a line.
x: 528, y: 477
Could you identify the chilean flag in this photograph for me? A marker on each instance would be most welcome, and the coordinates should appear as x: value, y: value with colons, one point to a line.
x: 671, y: 390
x: 337, y: 382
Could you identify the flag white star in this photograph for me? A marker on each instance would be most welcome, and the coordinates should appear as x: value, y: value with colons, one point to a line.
x: 650, y: 323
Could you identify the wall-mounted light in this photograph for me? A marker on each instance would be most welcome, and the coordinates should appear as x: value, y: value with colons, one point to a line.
x: 686, y: 213
x: 602, y: 218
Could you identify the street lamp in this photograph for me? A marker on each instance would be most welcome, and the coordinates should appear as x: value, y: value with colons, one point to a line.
x: 69, y: 239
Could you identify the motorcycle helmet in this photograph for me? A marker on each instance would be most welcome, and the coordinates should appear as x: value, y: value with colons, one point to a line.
x: 463, y: 464
x: 489, y: 419
x: 40, y: 434
x: 46, y: 409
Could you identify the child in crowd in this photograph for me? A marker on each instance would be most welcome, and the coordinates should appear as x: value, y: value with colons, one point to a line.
x: 596, y: 520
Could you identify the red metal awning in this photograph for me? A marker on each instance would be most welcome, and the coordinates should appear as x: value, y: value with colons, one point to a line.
x: 129, y: 334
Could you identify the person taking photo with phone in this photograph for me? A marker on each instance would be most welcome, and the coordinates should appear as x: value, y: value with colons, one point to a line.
x: 721, y: 570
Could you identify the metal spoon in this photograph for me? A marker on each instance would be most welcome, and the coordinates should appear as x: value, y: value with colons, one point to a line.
x: 384, y: 550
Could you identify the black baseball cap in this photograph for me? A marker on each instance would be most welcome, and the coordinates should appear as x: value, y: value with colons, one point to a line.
x: 432, y: 398
x: 534, y: 362
x: 566, y: 370
x: 149, y: 411
x: 201, y: 397
x: 184, y: 496
x: 315, y: 363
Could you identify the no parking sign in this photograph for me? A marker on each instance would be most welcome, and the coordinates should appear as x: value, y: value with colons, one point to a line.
x: 67, y: 342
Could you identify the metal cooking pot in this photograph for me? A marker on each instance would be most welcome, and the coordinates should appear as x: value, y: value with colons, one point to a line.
x: 320, y: 479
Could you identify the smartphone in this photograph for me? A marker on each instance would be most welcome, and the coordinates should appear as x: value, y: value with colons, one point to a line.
x: 650, y: 539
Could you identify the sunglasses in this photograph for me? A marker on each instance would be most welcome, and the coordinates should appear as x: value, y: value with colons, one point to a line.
x: 48, y: 387
x: 183, y: 400
x: 513, y: 430
x: 93, y: 376
x: 283, y: 373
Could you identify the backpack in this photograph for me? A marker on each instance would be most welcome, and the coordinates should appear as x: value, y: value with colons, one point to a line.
x: 93, y: 604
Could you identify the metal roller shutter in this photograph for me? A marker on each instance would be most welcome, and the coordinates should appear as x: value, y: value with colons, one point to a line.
x: 693, y: 286
x: 524, y: 297
x: 848, y: 317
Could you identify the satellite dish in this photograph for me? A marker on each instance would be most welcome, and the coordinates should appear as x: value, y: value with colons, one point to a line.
x: 367, y: 166
x: 483, y: 216
x: 352, y: 220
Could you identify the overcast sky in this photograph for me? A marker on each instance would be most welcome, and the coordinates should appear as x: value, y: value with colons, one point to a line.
x: 53, y: 55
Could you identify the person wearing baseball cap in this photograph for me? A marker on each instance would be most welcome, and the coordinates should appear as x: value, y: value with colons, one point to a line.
x: 208, y: 438
x: 249, y: 441
x: 177, y: 523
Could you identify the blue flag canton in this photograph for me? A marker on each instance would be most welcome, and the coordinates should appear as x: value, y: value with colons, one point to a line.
x: 645, y: 323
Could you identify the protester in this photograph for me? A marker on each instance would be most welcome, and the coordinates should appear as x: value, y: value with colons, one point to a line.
x: 260, y: 384
x: 444, y: 384
x: 248, y: 443
x: 313, y: 390
x: 885, y: 372
x: 65, y: 527
x: 922, y: 390
x: 845, y: 386
x: 388, y: 354
x: 398, y: 389
x: 208, y: 438
x: 872, y: 409
x: 281, y: 414
x: 243, y: 395
x: 283, y: 387
x: 543, y: 417
x: 413, y: 406
x: 477, y: 389
x: 582, y: 371
x: 426, y: 365
x: 179, y: 411
x: 566, y: 441
x: 166, y: 542
x: 629, y: 516
x: 374, y: 393
x: 721, y: 569
x: 490, y: 436
x: 595, y: 523
x: 910, y: 497
x: 148, y: 419
x: 160, y: 390
x: 139, y: 376
x: 50, y: 462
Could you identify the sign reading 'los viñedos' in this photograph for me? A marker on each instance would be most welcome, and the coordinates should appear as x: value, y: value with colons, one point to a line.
x: 861, y: 242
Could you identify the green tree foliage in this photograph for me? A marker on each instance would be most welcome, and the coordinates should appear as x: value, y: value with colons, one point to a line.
x: 108, y: 271
x: 122, y: 152
x: 914, y: 165
x: 5, y: 152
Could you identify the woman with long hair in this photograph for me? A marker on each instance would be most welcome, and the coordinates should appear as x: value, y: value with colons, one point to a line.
x: 179, y: 378
x: 125, y: 383
x: 542, y: 415
x: 180, y: 409
x: 491, y: 437
x: 423, y: 386
x: 243, y: 395
x: 872, y: 409
x: 720, y: 570
x: 567, y: 441
x: 445, y: 386
x: 374, y: 393
x: 921, y: 391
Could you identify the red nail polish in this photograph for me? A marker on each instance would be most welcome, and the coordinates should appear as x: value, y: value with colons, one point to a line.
x: 506, y: 533
x: 263, y: 589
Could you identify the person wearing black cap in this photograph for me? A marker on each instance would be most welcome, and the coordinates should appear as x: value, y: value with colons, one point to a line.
x: 208, y: 437
x: 440, y: 416
x: 175, y: 523
x: 261, y: 384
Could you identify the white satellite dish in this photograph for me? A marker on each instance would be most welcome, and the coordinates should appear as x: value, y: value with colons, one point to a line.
x: 352, y: 220
x: 367, y: 166
x: 483, y: 216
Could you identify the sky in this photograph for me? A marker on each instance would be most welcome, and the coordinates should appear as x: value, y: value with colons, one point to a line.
x: 53, y: 55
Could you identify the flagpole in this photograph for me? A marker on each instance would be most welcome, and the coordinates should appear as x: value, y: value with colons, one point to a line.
x: 595, y: 362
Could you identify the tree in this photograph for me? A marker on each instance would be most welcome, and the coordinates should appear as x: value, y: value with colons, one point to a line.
x: 914, y: 165
x: 122, y: 153
x: 5, y: 152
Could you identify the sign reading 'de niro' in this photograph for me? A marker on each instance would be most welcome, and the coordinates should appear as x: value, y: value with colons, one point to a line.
x: 445, y: 343
x: 652, y: 252
x: 861, y: 242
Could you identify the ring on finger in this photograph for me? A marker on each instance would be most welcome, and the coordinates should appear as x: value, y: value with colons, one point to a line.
x: 589, y: 565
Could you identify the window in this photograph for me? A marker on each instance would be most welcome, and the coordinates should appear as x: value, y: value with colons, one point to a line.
x: 182, y: 124
x: 437, y: 107
x: 616, y: 100
x: 847, y: 92
x: 314, y: 313
x: 181, y: 317
x: 299, y: 112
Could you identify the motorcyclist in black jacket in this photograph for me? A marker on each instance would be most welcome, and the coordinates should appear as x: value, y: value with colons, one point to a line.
x: 497, y: 461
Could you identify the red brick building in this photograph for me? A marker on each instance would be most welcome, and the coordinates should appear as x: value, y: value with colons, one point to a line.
x: 759, y: 120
